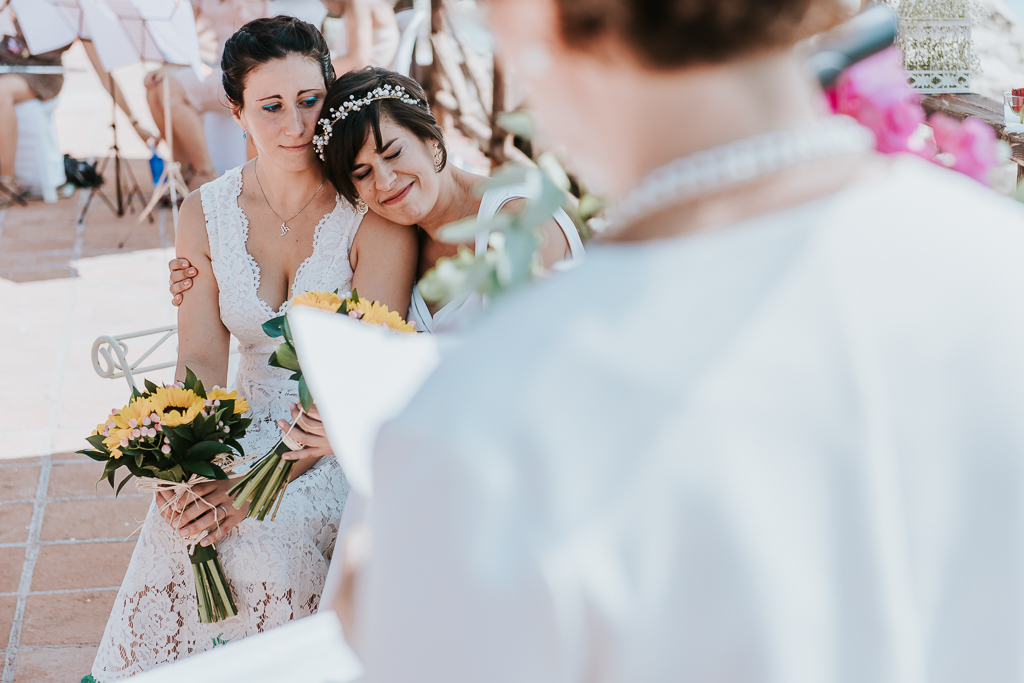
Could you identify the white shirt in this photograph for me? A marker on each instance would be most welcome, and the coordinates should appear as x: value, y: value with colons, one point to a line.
x: 788, y: 450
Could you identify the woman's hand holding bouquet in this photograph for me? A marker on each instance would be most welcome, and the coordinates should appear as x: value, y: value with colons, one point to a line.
x: 181, y: 441
x: 264, y: 485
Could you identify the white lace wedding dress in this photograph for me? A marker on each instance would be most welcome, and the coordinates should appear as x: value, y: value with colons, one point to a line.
x: 276, y: 568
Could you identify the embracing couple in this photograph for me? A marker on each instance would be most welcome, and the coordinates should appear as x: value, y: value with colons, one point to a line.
x: 356, y: 202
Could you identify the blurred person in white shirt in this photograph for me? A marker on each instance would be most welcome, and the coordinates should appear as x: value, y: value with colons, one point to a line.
x: 770, y: 431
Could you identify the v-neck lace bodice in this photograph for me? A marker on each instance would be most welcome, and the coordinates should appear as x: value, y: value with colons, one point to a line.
x: 244, y: 312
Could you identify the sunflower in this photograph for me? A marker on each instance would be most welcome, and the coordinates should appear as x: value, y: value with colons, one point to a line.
x: 328, y: 301
x: 176, y: 406
x: 115, y: 438
x: 375, y: 313
x: 218, y: 394
x: 138, y: 410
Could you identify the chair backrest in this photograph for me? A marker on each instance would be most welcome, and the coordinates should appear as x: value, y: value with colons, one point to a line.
x: 409, y: 21
x: 38, y: 160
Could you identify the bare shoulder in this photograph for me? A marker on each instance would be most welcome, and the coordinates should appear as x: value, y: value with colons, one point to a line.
x: 377, y: 229
x: 191, y: 233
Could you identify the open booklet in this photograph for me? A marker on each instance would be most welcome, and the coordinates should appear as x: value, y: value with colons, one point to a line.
x: 360, y: 377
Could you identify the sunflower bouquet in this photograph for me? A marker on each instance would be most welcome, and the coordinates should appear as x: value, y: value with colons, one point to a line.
x: 172, y: 438
x: 265, y: 484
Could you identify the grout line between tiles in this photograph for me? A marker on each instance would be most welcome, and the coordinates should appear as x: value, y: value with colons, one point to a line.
x: 71, y: 499
x: 62, y: 591
x: 74, y: 541
x: 31, y: 554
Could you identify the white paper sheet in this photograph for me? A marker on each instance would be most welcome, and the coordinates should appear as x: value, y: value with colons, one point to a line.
x: 125, y: 32
x: 311, y: 650
x: 45, y: 25
x: 360, y: 377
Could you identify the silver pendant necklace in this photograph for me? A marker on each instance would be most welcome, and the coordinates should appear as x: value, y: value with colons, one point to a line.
x: 737, y: 162
x: 284, y: 222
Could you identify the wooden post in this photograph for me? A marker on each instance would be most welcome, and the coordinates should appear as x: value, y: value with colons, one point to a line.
x: 496, y: 149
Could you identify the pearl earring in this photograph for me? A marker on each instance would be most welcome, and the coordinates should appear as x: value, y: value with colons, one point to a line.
x: 361, y: 206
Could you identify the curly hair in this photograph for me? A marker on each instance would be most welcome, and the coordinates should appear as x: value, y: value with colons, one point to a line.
x: 674, y: 33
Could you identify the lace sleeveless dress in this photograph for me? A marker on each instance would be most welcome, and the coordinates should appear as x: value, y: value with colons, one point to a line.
x: 276, y: 568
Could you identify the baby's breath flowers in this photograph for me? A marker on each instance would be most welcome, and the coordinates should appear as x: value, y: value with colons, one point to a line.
x: 171, y: 438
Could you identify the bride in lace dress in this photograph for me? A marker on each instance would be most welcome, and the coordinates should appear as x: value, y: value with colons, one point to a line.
x: 261, y: 234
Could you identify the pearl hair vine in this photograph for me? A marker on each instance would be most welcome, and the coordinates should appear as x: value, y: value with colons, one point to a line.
x: 386, y: 92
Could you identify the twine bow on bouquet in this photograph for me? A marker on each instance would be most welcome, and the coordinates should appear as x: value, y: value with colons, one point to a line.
x: 265, y: 484
x: 172, y: 438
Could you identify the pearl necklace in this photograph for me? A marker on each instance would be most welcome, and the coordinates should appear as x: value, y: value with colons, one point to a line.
x: 738, y: 162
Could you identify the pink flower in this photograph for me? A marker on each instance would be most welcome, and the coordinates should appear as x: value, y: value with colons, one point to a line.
x: 971, y: 143
x: 875, y: 92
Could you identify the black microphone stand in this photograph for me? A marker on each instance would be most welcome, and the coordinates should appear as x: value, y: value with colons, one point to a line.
x: 125, y: 185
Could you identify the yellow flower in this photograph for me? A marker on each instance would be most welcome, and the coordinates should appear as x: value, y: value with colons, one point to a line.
x: 218, y: 394
x: 176, y: 406
x: 138, y: 410
x: 376, y: 313
x: 116, y: 438
x: 328, y: 301
x: 115, y: 453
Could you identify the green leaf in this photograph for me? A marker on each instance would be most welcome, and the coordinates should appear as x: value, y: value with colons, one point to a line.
x: 200, y: 467
x: 97, y: 441
x: 286, y: 358
x: 150, y: 387
x: 138, y: 459
x: 218, y: 473
x: 95, y: 455
x: 190, y: 379
x: 206, y: 451
x: 123, y: 482
x: 305, y: 398
x: 274, y: 327
x: 517, y: 122
x: 355, y: 295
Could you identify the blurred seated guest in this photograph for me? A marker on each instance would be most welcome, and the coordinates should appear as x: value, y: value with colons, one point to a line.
x: 191, y: 97
x: 370, y: 36
x: 770, y: 431
x: 16, y: 88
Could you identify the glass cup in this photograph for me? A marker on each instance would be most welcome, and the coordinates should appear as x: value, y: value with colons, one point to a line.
x: 1013, y: 109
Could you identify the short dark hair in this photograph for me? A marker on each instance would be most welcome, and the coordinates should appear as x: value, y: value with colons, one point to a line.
x: 349, y: 136
x: 266, y: 39
x: 674, y: 33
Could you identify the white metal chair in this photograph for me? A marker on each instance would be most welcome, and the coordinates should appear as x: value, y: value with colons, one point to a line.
x: 110, y: 354
x: 38, y: 161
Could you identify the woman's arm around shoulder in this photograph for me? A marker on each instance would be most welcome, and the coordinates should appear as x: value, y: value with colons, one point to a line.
x: 202, y: 338
x: 383, y: 258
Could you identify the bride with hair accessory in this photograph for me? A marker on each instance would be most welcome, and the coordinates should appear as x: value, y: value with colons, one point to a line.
x: 259, y: 235
x: 384, y: 151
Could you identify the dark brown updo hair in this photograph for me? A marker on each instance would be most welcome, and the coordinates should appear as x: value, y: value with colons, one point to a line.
x: 349, y: 135
x: 266, y: 39
x: 674, y: 33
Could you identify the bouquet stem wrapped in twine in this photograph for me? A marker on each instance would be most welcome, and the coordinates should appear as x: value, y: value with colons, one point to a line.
x: 265, y: 484
x: 213, y: 593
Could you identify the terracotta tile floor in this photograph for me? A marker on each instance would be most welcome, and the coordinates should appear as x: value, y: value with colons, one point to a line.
x: 61, y: 563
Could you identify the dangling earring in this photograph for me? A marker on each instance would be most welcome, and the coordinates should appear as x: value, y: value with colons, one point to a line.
x: 438, y: 158
x: 361, y: 206
x: 245, y: 133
